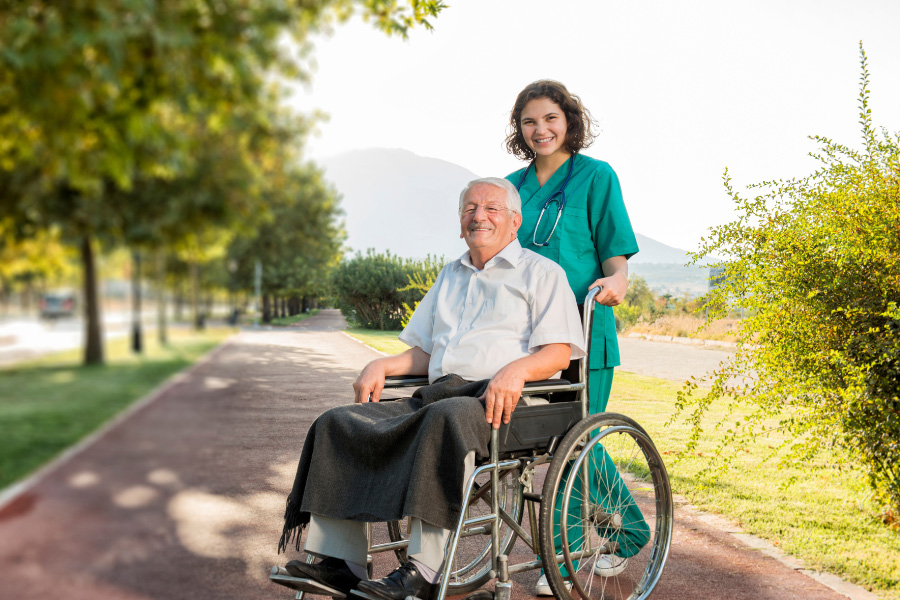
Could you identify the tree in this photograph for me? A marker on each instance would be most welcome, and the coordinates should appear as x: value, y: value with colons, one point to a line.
x: 816, y: 264
x: 99, y: 94
x: 41, y: 258
x: 298, y: 242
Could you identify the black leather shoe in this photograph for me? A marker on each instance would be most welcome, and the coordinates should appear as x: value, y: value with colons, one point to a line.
x: 329, y: 571
x: 405, y: 581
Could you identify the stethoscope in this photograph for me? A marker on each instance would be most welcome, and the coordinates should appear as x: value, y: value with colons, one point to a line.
x: 561, y: 192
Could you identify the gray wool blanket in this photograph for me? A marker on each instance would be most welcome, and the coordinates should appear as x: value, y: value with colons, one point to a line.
x: 387, y: 460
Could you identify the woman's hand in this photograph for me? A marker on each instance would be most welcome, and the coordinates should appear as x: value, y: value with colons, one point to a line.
x: 615, y: 284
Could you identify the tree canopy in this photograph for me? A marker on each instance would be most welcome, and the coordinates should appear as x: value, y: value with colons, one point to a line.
x: 144, y: 122
x: 815, y: 262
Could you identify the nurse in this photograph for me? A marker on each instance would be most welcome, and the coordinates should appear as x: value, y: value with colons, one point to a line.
x: 573, y: 213
x: 577, y: 199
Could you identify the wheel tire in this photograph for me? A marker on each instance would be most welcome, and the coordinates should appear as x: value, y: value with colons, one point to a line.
x: 605, y: 520
x: 472, y: 563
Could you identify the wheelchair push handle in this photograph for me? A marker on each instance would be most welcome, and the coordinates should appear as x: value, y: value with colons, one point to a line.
x: 589, y: 314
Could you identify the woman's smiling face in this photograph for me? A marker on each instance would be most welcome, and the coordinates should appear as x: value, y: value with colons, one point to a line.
x: 544, y: 127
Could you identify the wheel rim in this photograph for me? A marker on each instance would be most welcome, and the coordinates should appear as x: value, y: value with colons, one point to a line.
x: 610, y: 513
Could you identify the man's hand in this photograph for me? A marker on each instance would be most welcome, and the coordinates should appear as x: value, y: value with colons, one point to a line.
x: 502, y: 394
x: 369, y: 383
x: 505, y: 388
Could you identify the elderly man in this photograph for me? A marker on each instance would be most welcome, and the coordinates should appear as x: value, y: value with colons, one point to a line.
x: 495, y: 318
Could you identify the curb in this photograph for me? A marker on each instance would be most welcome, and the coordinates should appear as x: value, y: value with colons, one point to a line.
x: 833, y: 582
x: 10, y: 493
x: 680, y: 340
x: 364, y: 344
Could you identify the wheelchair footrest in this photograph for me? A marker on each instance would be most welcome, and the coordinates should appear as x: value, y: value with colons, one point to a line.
x: 301, y: 584
x: 356, y: 594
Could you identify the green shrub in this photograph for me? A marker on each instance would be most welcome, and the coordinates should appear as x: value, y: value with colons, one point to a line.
x: 815, y: 262
x: 374, y: 290
x: 419, y: 284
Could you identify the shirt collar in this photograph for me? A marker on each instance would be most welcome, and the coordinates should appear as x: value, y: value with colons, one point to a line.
x: 511, y: 253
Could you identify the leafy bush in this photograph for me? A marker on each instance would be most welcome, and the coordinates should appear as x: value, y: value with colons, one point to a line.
x: 419, y: 284
x: 638, y: 303
x: 643, y: 305
x: 816, y: 263
x: 375, y: 290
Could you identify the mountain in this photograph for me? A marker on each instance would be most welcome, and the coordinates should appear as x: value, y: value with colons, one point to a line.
x: 396, y: 200
x: 657, y: 252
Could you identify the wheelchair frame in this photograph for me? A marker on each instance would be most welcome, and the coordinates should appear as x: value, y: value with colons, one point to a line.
x: 578, y: 445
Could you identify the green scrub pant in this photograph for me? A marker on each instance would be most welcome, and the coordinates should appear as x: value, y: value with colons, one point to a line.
x: 607, y: 489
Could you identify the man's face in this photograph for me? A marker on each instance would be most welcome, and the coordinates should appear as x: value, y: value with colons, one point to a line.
x: 487, y: 224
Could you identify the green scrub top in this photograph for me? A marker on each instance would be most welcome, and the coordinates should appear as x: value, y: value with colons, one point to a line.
x: 594, y: 227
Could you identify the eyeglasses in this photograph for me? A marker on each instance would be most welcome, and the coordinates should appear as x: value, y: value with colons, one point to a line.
x: 491, y: 209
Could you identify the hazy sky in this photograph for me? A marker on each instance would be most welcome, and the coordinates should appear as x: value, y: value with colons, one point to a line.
x: 681, y: 90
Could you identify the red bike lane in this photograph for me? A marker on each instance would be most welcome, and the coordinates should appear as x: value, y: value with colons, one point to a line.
x: 184, y: 497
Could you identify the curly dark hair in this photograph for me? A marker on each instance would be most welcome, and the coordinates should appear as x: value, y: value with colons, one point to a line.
x: 579, y: 122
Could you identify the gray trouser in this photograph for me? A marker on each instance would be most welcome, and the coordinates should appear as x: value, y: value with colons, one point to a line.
x: 347, y: 539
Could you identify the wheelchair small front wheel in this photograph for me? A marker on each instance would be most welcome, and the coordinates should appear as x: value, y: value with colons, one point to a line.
x: 472, y: 562
x: 607, y: 512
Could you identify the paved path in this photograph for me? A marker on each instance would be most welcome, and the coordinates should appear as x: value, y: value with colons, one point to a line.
x: 183, y: 499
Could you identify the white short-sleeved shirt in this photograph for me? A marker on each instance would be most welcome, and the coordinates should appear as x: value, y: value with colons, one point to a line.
x: 473, y: 323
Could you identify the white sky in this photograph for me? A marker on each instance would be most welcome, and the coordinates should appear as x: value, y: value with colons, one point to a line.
x: 681, y: 90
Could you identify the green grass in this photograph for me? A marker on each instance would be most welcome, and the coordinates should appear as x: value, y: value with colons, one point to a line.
x: 49, y: 404
x: 295, y: 319
x: 385, y: 341
x: 826, y: 518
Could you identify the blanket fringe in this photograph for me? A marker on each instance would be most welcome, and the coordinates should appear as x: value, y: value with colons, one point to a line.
x: 294, y: 524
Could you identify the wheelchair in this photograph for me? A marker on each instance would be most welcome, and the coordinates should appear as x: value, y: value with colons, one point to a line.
x: 603, y: 490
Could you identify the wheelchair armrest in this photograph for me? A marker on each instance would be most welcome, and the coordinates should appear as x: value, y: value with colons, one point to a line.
x: 395, y: 381
x: 551, y: 385
x: 532, y: 387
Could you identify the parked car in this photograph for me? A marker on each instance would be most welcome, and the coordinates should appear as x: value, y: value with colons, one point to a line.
x: 55, y: 305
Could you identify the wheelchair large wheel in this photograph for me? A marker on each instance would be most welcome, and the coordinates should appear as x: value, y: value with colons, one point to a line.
x: 472, y: 562
x: 608, y: 490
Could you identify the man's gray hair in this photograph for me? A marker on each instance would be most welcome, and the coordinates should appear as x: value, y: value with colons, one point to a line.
x: 513, y: 201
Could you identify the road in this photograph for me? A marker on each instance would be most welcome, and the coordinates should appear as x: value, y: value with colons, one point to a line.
x: 183, y: 498
x: 668, y: 360
x: 29, y: 337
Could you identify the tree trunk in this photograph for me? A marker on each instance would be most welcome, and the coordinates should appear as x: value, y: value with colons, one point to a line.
x: 4, y: 297
x: 161, y: 298
x: 93, y: 333
x: 179, y: 301
x: 137, y: 337
x: 266, y: 308
x: 196, y: 315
